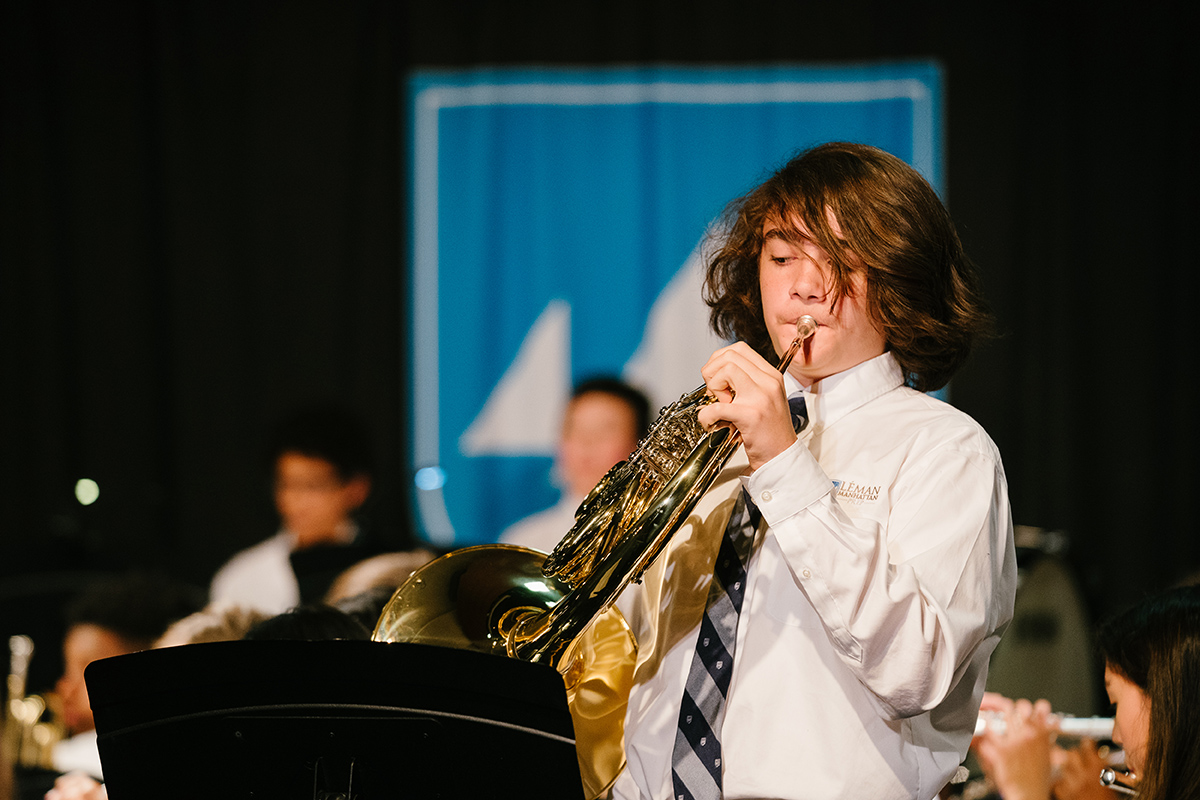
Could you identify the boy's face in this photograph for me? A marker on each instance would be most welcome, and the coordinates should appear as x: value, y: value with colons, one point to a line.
x: 313, y: 500
x: 796, y: 279
x: 598, y: 431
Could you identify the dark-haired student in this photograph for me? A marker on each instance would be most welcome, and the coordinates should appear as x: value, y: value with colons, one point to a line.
x: 870, y: 562
x: 1152, y: 676
x: 321, y: 464
x: 109, y: 617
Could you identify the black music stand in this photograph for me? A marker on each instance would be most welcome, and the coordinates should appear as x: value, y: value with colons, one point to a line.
x: 331, y: 721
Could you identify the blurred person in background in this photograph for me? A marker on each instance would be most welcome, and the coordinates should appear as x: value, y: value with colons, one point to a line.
x: 322, y: 464
x: 219, y: 623
x: 216, y: 622
x: 363, y: 590
x: 603, y: 423
x: 309, y: 622
x: 110, y: 617
x: 385, y: 571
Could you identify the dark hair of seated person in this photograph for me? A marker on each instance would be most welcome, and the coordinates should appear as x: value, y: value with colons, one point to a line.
x: 313, y: 622
x: 366, y: 607
x: 136, y: 606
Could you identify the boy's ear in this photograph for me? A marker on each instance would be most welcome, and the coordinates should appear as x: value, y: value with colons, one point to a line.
x: 357, y: 489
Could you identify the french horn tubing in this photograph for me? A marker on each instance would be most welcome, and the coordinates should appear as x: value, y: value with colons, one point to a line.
x: 557, y: 609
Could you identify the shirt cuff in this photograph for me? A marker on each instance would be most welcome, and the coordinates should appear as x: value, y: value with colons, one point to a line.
x: 787, y: 484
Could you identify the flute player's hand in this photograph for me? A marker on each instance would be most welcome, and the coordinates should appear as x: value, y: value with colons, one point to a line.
x: 1018, y: 760
x: 1078, y: 773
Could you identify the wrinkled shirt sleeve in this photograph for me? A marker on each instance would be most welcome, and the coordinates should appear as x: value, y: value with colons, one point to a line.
x: 908, y: 599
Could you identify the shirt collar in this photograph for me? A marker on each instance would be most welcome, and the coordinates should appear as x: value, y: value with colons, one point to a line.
x: 831, y: 398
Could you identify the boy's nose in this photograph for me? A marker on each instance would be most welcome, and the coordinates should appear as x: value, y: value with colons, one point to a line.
x: 810, y: 282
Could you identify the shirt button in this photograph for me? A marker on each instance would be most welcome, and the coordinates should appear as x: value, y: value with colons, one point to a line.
x: 765, y: 497
x: 806, y: 573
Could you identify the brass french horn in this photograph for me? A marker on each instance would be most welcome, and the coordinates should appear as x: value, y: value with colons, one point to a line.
x: 557, y: 609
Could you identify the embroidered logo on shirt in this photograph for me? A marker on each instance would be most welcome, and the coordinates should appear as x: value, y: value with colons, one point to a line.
x: 851, y: 492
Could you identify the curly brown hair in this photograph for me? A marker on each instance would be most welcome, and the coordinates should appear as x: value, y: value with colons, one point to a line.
x: 921, y: 289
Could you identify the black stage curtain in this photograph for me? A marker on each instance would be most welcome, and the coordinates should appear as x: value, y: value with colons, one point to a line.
x: 201, y: 234
x: 203, y: 226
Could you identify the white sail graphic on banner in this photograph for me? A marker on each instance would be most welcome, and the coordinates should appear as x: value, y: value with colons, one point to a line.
x: 676, y: 340
x: 523, y: 413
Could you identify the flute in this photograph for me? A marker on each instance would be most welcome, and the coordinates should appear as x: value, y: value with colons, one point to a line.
x: 1097, y: 728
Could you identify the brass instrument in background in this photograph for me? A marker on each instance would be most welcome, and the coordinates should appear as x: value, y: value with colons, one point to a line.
x: 28, y: 737
x: 557, y: 609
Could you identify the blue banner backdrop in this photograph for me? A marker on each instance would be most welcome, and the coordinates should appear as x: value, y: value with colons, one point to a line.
x: 556, y: 219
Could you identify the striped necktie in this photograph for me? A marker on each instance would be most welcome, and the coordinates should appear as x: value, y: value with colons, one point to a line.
x: 696, y: 759
x: 799, y: 412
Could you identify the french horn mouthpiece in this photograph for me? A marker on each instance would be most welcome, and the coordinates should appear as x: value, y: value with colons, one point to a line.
x: 806, y: 326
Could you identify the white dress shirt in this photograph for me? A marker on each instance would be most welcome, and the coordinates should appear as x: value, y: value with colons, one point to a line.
x: 878, y: 586
x: 543, y: 530
x: 259, y: 577
x: 78, y: 753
